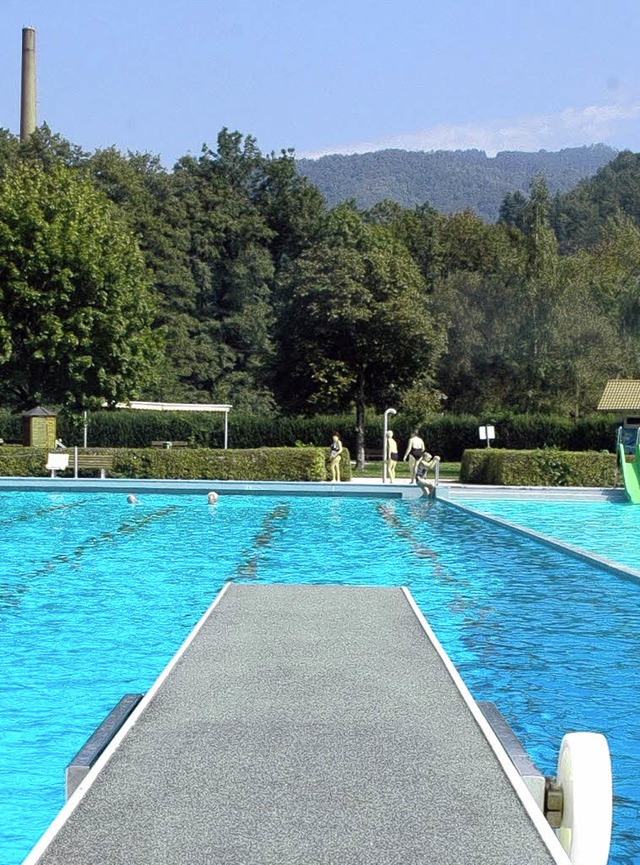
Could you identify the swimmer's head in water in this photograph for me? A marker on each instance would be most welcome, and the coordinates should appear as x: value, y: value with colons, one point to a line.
x: 132, y: 499
x: 212, y: 498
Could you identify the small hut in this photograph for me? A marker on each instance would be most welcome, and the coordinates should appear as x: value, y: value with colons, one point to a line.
x: 622, y: 398
x: 39, y: 428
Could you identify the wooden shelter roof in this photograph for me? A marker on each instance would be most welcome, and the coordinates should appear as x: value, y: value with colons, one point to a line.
x: 621, y: 395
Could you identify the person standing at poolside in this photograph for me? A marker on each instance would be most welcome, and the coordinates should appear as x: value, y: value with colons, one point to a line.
x: 335, y: 456
x: 391, y: 456
x: 414, y: 452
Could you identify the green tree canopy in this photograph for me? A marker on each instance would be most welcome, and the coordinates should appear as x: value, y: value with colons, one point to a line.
x: 355, y: 323
x: 74, y: 301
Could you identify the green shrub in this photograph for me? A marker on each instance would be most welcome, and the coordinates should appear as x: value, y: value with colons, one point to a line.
x: 251, y: 464
x: 448, y: 435
x: 542, y: 467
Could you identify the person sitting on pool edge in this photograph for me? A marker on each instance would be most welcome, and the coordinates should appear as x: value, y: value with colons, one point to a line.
x: 422, y: 468
x: 334, y: 457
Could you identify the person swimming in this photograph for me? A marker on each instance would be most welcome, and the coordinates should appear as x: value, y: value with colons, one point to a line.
x: 212, y: 498
x: 132, y: 499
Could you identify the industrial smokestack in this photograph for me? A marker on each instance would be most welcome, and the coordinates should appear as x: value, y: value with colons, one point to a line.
x: 28, y: 95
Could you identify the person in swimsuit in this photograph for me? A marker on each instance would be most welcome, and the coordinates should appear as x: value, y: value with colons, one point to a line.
x: 392, y: 456
x: 334, y: 457
x: 414, y: 452
x: 422, y: 469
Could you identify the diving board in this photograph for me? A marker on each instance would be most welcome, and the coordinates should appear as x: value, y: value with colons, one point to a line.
x: 304, y: 725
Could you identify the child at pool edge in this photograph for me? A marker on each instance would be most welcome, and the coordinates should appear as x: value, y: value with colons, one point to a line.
x: 392, y: 456
x: 334, y: 457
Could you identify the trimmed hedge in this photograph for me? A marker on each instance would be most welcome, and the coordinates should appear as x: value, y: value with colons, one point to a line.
x: 256, y: 464
x: 543, y: 467
x: 447, y: 436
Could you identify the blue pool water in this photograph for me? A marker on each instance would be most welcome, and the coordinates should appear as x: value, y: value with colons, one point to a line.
x: 96, y: 596
x: 605, y: 528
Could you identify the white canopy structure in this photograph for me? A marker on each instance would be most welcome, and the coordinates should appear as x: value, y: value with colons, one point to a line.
x: 182, y: 406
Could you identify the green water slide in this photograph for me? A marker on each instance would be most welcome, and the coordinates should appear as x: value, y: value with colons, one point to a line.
x: 631, y: 474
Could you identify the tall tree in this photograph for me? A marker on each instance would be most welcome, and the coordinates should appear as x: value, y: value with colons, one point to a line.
x: 74, y: 302
x: 355, y: 325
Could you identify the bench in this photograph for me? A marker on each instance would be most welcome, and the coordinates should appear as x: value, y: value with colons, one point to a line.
x: 169, y: 444
x: 373, y: 455
x: 104, y: 462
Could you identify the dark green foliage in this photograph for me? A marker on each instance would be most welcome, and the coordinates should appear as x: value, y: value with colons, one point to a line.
x: 448, y: 435
x: 17, y: 461
x: 579, y: 215
x: 75, y: 308
x: 260, y: 464
x: 10, y: 425
x: 137, y: 429
x: 448, y: 180
x: 543, y: 467
x: 263, y: 299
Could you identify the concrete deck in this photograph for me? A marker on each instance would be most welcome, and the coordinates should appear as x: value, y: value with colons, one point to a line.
x: 310, y: 725
x: 359, y: 487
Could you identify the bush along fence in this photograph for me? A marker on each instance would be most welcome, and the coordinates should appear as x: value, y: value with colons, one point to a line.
x: 448, y: 435
x: 549, y: 467
x: 251, y: 464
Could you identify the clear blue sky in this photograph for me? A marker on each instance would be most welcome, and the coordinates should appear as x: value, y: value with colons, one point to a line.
x: 335, y: 76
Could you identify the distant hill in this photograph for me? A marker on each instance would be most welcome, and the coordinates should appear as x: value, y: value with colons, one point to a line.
x: 579, y: 215
x: 450, y: 180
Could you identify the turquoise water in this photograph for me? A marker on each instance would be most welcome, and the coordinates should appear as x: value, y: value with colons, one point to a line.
x: 605, y: 528
x: 96, y: 596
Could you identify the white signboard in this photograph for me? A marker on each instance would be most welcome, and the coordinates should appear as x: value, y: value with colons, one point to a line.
x: 487, y: 433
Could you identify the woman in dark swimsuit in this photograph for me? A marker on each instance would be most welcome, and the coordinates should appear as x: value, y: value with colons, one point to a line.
x: 334, y: 457
x: 414, y: 452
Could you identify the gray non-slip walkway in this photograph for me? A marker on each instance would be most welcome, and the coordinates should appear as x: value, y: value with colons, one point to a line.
x: 306, y: 725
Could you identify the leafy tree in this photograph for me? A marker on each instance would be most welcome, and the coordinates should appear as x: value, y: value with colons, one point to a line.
x: 292, y: 208
x: 74, y: 301
x: 230, y: 323
x: 147, y: 197
x: 512, y: 210
x: 355, y: 326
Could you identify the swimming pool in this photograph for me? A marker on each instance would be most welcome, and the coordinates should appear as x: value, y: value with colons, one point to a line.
x: 605, y: 528
x: 96, y: 596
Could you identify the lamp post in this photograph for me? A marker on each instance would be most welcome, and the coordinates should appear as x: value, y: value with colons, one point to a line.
x: 388, y: 412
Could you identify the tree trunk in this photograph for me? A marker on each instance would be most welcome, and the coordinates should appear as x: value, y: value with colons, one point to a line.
x: 360, y: 421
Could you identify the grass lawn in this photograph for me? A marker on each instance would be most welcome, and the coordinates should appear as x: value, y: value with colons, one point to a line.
x: 448, y: 471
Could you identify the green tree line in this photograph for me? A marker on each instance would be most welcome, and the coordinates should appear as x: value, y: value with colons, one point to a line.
x: 228, y: 279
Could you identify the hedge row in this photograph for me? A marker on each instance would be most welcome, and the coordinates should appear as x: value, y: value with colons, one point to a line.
x: 448, y: 435
x: 257, y: 464
x: 547, y: 467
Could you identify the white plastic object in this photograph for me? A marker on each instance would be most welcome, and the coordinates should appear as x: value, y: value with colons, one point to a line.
x: 584, y: 773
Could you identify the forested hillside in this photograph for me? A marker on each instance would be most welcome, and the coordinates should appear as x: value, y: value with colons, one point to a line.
x: 579, y: 215
x: 448, y: 180
x: 228, y: 279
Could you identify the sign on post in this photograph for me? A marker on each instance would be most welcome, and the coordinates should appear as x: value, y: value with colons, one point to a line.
x: 487, y: 433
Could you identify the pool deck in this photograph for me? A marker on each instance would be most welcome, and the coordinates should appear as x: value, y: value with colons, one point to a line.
x: 304, y: 725
x: 447, y: 490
